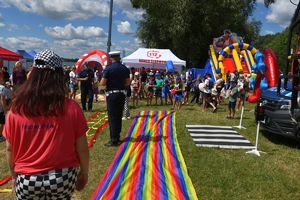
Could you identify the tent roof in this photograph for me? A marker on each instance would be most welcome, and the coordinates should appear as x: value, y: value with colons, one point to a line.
x: 6, y: 54
x: 24, y: 54
x: 32, y: 53
x: 144, y: 57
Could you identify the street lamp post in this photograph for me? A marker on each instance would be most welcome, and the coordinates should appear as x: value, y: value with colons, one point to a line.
x: 110, y: 24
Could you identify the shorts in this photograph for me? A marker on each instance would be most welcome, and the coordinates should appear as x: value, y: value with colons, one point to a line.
x: 178, y: 97
x: 207, y: 94
x: 54, y: 184
x: 158, y: 93
x: 242, y: 96
x: 73, y: 85
x: 231, y: 105
x: 2, y: 118
x: 150, y: 94
x: 135, y: 92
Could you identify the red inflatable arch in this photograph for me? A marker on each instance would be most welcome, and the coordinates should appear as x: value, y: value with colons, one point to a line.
x: 93, y: 55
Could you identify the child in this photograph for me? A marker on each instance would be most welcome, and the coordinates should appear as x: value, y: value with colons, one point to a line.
x: 159, y: 85
x: 73, y: 85
x: 167, y: 88
x: 135, y: 87
x: 151, y: 85
x: 207, y: 98
x: 178, y: 88
x: 7, y: 91
x: 233, y: 94
x: 188, y: 88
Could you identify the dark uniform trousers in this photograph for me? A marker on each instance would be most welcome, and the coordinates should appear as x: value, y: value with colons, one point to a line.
x: 115, y: 105
x: 87, y: 92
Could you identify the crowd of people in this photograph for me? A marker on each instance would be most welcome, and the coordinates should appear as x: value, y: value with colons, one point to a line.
x: 159, y: 87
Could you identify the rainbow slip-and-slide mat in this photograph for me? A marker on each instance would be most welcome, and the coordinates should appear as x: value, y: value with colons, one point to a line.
x: 149, y: 163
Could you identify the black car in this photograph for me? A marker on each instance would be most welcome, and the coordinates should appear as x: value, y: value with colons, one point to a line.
x: 278, y: 118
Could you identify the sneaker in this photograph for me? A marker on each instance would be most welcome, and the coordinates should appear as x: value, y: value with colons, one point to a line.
x: 124, y: 118
x: 2, y: 139
x: 127, y: 117
x: 113, y: 144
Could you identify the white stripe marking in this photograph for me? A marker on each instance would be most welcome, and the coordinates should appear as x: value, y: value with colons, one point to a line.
x: 220, y: 140
x: 216, y: 135
x: 203, y: 126
x: 211, y: 131
x: 225, y: 146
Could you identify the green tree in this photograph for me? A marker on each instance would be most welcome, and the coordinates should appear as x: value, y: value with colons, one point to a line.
x: 188, y: 27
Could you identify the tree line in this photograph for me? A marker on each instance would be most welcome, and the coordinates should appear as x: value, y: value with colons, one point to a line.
x: 188, y: 27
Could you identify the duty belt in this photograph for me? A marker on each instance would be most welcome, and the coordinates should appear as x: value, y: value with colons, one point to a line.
x: 107, y: 93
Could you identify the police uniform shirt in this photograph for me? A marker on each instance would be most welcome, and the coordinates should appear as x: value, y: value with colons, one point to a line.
x: 116, y: 74
x: 89, y: 82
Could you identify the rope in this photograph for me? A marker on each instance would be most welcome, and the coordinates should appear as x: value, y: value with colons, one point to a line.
x: 5, y: 180
x: 5, y: 190
x: 94, y: 127
x: 92, y: 116
x: 99, y: 129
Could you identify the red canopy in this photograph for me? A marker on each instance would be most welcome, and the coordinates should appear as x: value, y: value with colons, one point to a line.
x: 6, y: 54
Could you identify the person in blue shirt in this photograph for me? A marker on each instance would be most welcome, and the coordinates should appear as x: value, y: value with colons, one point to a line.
x: 116, y: 79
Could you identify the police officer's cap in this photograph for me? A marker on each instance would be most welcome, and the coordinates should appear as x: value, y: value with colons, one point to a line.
x: 114, y: 54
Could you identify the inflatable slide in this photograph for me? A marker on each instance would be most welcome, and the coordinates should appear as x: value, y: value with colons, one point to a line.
x: 242, y: 56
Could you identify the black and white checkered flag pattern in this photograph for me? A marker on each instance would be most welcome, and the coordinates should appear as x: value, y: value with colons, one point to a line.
x: 50, y: 59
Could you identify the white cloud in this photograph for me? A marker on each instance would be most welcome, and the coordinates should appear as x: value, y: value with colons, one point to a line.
x: 73, y: 48
x: 125, y: 42
x: 137, y: 41
x: 77, y: 47
x: 268, y: 32
x: 128, y: 10
x: 24, y: 43
x: 70, y: 32
x: 124, y: 27
x: 62, y: 9
x: 281, y: 13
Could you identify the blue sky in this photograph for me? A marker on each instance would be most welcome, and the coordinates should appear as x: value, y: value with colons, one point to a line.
x: 72, y: 27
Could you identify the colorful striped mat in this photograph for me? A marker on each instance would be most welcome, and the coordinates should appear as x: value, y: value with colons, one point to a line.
x: 149, y: 163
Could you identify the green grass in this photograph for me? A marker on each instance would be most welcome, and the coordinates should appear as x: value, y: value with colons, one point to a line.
x: 216, y: 173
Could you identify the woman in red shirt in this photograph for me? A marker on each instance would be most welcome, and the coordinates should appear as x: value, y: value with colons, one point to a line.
x: 46, y: 143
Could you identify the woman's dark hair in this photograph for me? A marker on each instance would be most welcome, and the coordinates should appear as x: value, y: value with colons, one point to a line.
x: 42, y: 94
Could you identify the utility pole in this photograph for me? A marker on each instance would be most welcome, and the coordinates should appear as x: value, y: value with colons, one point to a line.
x: 110, y: 24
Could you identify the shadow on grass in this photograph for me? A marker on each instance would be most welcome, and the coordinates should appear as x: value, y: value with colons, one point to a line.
x: 145, y: 138
x: 278, y: 139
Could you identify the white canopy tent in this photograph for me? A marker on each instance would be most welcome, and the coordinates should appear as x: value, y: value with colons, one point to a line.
x: 153, y: 58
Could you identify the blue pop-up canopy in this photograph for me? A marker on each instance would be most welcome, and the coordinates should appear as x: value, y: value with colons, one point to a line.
x: 24, y: 54
x: 32, y: 53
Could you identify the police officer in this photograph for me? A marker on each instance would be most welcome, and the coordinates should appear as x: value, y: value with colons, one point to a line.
x: 116, y: 79
x: 86, y: 78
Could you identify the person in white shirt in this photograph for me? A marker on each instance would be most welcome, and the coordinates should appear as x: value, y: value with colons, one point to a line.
x: 73, y: 85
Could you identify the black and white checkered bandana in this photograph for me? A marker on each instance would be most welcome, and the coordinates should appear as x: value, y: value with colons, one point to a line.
x: 47, y: 59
